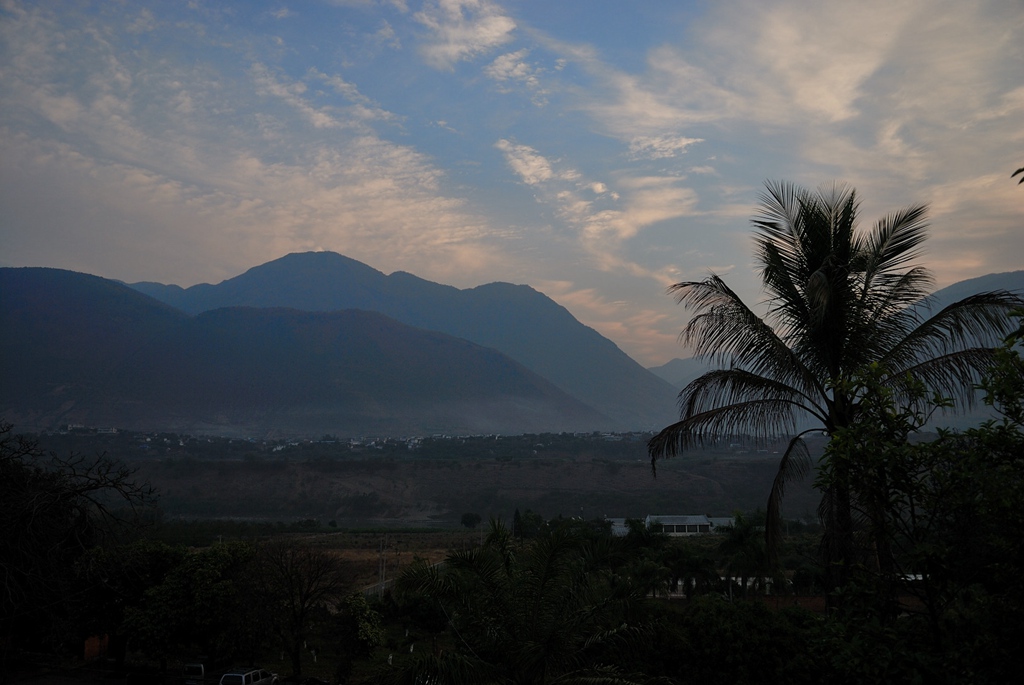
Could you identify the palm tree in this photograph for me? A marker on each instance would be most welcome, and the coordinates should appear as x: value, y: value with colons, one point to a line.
x: 839, y: 299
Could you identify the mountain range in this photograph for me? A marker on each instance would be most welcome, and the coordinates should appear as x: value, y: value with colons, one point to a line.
x: 309, y: 344
x: 318, y: 343
x: 516, y: 320
x: 82, y: 349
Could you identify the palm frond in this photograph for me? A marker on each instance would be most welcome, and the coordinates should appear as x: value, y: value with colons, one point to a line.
x: 764, y: 418
x: 952, y: 376
x: 795, y: 464
x: 976, y: 321
x: 889, y: 295
x: 723, y: 387
x: 727, y: 331
x: 894, y: 242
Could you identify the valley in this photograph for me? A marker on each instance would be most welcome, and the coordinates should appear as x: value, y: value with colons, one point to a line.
x: 431, y: 482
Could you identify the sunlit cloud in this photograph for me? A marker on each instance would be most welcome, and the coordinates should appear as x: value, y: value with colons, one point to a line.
x: 531, y: 167
x: 359, y: 194
x: 646, y: 332
x: 660, y: 147
x: 512, y: 69
x: 462, y: 30
x: 291, y: 93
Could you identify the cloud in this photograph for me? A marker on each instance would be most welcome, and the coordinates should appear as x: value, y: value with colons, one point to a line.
x: 531, y: 167
x: 512, y: 68
x: 660, y: 147
x: 646, y: 333
x: 602, y: 219
x: 648, y: 200
x: 386, y: 35
x: 366, y: 109
x: 143, y: 23
x: 462, y: 30
x: 291, y: 93
x: 223, y: 171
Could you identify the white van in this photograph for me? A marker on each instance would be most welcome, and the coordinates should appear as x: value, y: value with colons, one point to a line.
x: 194, y: 674
x: 248, y: 676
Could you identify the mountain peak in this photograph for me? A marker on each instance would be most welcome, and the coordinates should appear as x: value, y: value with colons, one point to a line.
x: 516, y: 320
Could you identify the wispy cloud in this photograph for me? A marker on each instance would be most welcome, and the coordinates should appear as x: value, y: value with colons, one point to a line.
x: 602, y: 218
x: 645, y: 332
x: 292, y: 93
x: 253, y: 192
x: 531, y: 167
x: 462, y: 29
x: 660, y: 147
x: 513, y: 69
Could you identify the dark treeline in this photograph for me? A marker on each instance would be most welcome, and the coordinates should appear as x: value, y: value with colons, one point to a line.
x: 129, y: 445
x: 534, y: 600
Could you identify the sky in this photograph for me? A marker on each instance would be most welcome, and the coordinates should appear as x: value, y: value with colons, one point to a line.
x: 597, y: 150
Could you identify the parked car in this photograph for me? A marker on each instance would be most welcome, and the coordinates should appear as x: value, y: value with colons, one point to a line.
x: 248, y: 676
x: 194, y: 674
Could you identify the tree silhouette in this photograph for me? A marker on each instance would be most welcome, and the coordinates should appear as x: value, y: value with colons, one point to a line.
x: 299, y: 581
x: 839, y: 298
x: 547, y: 611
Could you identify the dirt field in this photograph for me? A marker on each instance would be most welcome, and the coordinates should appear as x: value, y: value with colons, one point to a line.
x: 372, y: 557
x: 436, y: 493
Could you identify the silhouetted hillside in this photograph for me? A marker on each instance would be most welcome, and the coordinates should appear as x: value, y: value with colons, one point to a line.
x: 80, y: 349
x: 514, y: 319
x: 1012, y: 281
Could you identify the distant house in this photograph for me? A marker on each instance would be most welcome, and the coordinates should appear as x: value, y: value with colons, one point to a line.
x: 680, y: 525
x: 689, y: 525
x: 721, y: 522
x: 675, y: 525
x: 618, y: 527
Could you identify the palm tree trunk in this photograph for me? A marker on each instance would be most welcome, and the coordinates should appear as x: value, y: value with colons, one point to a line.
x: 838, y: 548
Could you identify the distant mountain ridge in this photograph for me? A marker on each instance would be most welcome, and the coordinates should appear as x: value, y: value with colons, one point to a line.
x: 1012, y: 281
x: 76, y: 348
x: 515, y: 319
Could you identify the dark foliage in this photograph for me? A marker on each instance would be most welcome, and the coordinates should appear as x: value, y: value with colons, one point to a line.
x: 53, y: 511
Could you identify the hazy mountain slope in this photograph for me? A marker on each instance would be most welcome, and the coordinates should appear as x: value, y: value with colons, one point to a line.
x: 515, y: 319
x: 1009, y: 280
x: 65, y: 338
x: 80, y: 349
x: 679, y: 372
